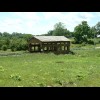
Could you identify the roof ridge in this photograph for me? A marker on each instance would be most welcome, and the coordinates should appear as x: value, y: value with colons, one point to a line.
x: 52, y: 38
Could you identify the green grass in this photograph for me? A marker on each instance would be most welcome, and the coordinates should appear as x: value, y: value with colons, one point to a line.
x: 22, y: 69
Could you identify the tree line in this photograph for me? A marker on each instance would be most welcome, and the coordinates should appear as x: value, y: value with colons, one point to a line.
x: 15, y: 41
x: 82, y: 33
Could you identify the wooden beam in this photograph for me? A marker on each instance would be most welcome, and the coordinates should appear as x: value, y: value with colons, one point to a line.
x: 68, y: 46
x: 39, y: 49
x: 60, y: 47
x: 30, y: 47
x: 42, y: 48
x: 34, y: 48
x: 64, y: 46
x: 47, y: 46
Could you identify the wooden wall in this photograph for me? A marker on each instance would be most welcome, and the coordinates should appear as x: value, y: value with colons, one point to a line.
x: 37, y: 46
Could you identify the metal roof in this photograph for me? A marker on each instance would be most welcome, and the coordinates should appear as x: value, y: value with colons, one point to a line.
x: 51, y: 38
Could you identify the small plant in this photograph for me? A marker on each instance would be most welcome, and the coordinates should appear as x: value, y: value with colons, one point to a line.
x: 59, y: 82
x: 1, y: 69
x: 41, y: 84
x: 70, y: 82
x: 15, y: 77
x: 79, y: 77
x: 62, y: 70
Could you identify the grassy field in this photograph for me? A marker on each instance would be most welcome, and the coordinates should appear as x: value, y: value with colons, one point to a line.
x: 23, y: 69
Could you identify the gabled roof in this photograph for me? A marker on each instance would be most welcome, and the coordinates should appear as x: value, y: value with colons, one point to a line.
x: 51, y: 38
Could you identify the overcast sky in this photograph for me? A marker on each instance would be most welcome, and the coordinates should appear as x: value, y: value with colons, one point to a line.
x: 37, y: 23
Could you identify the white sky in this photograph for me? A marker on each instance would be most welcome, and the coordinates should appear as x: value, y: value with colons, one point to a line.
x: 37, y: 23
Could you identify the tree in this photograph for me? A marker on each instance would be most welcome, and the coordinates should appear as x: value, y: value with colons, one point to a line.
x: 59, y: 29
x: 97, y: 27
x: 6, y: 34
x: 93, y: 32
x: 82, y: 32
x: 50, y: 33
x: 0, y: 34
x: 14, y: 41
x: 0, y: 45
x: 67, y: 33
x: 27, y: 36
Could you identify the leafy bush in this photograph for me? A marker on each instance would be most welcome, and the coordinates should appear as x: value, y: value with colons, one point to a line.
x: 19, y: 44
x: 4, y: 47
x: 13, y: 48
x: 24, y: 47
x: 90, y: 42
x: 73, y: 42
x: 83, y: 44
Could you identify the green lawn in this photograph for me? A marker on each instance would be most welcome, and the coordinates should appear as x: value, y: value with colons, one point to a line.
x: 38, y: 69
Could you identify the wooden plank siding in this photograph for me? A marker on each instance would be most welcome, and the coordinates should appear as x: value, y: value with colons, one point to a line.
x: 36, y: 45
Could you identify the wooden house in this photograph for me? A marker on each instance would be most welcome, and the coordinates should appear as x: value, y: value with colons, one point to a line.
x: 57, y: 44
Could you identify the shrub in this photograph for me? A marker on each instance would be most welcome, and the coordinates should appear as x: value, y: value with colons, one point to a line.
x: 4, y: 47
x: 24, y: 47
x: 13, y: 48
x: 83, y: 44
x: 18, y: 47
x: 73, y: 42
x: 90, y: 42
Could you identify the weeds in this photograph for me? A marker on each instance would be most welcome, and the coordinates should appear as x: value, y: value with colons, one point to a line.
x: 16, y: 77
x: 1, y: 69
x: 81, y: 69
x: 79, y: 77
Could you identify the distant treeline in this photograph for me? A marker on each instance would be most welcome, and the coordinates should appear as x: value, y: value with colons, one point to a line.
x: 15, y: 41
x: 82, y: 33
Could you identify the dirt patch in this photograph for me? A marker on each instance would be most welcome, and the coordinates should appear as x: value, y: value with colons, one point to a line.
x: 60, y: 62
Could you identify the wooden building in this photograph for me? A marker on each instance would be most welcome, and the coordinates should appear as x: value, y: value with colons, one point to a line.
x: 56, y: 44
